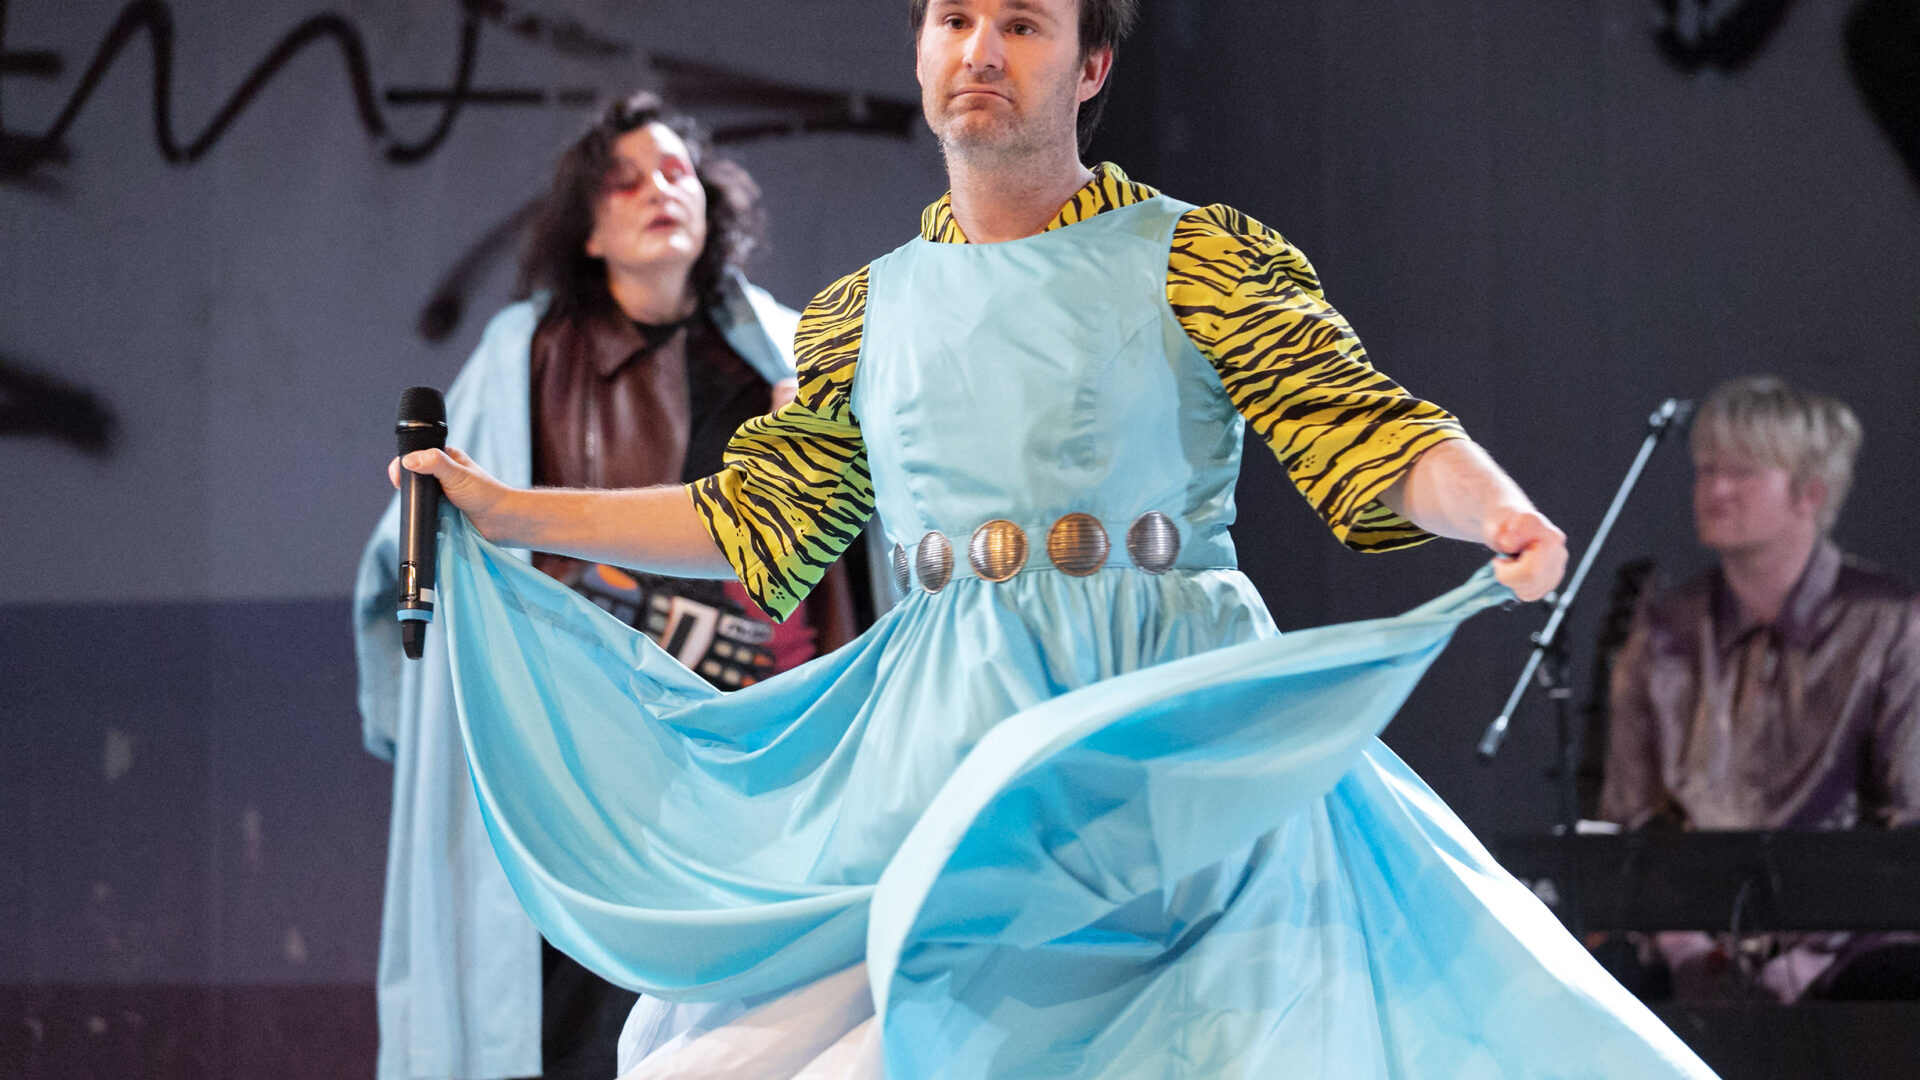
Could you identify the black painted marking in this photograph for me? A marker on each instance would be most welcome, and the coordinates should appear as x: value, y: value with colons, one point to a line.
x: 695, y: 84
x: 422, y: 95
x: 441, y: 315
x: 783, y: 109
x: 564, y: 36
x: 32, y: 64
x: 20, y: 154
x: 1883, y: 55
x: 1722, y: 34
x: 33, y: 403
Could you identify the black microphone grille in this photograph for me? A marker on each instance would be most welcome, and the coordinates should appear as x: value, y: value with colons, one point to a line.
x: 422, y: 405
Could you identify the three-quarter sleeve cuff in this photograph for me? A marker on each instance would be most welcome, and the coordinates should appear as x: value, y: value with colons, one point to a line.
x: 717, y: 508
x: 1352, y: 508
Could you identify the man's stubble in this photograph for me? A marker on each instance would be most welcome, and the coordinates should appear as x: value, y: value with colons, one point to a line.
x: 1008, y: 142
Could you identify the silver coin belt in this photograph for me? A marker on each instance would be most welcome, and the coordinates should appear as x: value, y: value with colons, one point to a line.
x: 1077, y: 545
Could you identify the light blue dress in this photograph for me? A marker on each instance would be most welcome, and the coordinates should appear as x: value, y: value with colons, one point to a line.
x: 1109, y: 825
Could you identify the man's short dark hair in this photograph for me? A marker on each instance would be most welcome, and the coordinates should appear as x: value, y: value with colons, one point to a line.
x: 556, y: 258
x: 1103, y: 23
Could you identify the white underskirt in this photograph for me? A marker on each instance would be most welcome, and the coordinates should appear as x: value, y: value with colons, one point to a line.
x: 824, y: 1030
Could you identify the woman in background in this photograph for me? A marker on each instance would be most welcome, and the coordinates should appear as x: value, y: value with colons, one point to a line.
x: 638, y: 349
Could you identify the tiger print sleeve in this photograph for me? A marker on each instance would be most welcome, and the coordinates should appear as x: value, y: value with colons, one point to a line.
x: 1294, y: 369
x: 794, y: 490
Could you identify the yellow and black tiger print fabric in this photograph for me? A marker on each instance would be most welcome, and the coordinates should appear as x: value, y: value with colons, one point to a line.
x: 796, y: 490
x: 1108, y: 190
x: 1251, y: 303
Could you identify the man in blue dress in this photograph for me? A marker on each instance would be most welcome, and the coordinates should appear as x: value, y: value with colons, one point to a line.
x: 1003, y: 86
x: 1056, y: 375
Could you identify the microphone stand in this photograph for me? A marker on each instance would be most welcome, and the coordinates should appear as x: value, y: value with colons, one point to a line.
x: 1549, y: 661
x: 1550, y: 654
x: 1670, y: 416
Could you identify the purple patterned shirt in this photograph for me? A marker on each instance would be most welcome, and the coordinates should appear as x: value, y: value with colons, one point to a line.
x: 1719, y: 722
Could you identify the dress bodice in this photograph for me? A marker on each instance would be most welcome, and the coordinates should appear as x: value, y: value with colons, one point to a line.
x: 1043, y: 377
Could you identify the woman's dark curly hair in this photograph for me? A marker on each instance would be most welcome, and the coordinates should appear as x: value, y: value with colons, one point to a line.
x: 556, y: 258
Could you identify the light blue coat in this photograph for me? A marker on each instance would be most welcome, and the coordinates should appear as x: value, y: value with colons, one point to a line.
x: 459, y: 978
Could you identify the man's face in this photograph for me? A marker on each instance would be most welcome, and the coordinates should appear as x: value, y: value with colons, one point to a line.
x: 1005, y: 77
x: 1741, y: 504
x: 652, y: 212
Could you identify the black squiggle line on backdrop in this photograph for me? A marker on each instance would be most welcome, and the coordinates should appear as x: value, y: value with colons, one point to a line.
x: 19, y: 154
x: 156, y: 19
x: 794, y: 110
x: 800, y: 109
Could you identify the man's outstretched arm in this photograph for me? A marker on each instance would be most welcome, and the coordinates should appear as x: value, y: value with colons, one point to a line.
x: 654, y: 529
x: 1252, y: 304
x: 1454, y: 489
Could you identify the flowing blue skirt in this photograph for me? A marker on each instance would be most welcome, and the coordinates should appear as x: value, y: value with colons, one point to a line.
x: 1111, y: 826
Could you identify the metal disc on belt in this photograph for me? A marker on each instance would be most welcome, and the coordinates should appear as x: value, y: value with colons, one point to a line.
x: 1078, y: 544
x: 933, y: 562
x: 998, y: 550
x: 1153, y: 542
x: 902, y: 575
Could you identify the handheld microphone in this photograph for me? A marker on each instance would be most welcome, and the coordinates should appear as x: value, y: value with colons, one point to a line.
x: 422, y: 426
